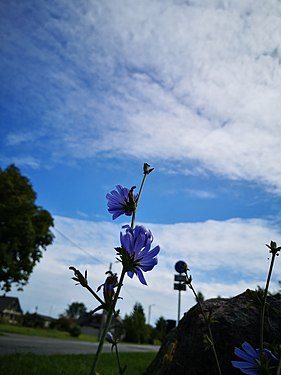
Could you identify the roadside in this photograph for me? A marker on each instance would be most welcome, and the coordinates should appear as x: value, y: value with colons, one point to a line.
x: 12, y: 343
x: 44, y: 332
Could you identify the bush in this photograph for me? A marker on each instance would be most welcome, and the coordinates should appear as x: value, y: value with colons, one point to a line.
x: 75, y: 330
x: 33, y: 320
x: 63, y: 324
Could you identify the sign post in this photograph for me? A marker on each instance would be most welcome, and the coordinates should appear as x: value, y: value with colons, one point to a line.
x: 179, y: 284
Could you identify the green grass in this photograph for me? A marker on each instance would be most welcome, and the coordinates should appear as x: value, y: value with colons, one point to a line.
x: 31, y: 364
x: 43, y: 332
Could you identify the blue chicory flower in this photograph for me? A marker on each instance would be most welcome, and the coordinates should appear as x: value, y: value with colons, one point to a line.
x: 136, y: 253
x: 121, y: 201
x: 251, y: 364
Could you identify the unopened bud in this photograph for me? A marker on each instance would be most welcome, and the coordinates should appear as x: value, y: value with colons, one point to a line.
x: 109, y: 337
x: 147, y: 169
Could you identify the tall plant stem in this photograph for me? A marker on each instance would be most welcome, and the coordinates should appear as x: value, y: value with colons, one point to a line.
x: 94, y: 294
x: 121, y: 371
x: 264, y: 299
x: 208, y: 327
x: 107, y: 323
x: 133, y: 219
x: 279, y: 368
x: 137, y: 201
x: 141, y: 187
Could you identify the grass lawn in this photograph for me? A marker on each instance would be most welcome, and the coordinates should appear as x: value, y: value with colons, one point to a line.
x: 31, y: 364
x: 12, y: 328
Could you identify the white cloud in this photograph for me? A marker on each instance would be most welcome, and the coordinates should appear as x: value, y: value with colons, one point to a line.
x: 225, y: 258
x: 203, y: 194
x: 197, y: 82
x: 29, y: 161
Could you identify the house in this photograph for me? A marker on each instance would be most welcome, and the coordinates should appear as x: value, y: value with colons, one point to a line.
x: 37, y: 320
x: 46, y: 321
x: 10, y: 309
x: 90, y: 324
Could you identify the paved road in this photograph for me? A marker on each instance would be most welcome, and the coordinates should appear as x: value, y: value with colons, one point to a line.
x: 14, y: 343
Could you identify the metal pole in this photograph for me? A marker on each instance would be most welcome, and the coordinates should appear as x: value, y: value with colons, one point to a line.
x: 180, y: 285
x: 149, y: 312
x: 179, y: 306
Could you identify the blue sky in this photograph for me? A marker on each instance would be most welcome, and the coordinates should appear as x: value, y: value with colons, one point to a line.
x: 91, y: 90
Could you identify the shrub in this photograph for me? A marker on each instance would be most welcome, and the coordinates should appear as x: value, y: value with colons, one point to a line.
x: 75, y: 330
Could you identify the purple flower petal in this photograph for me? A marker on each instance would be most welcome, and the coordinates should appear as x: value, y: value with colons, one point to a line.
x: 251, y: 357
x: 141, y: 277
x: 137, y: 243
x: 119, y: 203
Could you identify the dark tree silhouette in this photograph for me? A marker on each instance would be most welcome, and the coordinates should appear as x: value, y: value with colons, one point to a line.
x: 75, y: 310
x: 134, y: 325
x: 24, y: 229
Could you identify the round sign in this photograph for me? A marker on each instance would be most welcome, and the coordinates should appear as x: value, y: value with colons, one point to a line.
x: 181, y: 266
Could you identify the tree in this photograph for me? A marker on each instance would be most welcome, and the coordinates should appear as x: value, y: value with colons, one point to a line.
x: 68, y: 320
x: 135, y: 327
x: 160, y: 329
x: 75, y: 310
x: 24, y: 229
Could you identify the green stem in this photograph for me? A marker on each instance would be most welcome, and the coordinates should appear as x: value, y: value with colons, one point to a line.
x: 94, y: 294
x: 264, y: 299
x: 208, y: 327
x: 137, y: 201
x: 133, y: 219
x: 141, y: 188
x: 107, y: 323
x: 121, y: 371
x: 279, y: 368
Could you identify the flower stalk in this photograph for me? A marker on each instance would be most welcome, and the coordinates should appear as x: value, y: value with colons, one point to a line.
x: 260, y: 361
x: 274, y: 252
x: 108, y: 322
x: 120, y: 368
x: 146, y: 171
x: 279, y: 368
x: 82, y: 280
x: 207, y: 321
x: 135, y: 254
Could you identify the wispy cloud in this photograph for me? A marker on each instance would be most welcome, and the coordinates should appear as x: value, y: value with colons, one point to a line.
x: 200, y: 193
x: 28, y: 161
x: 196, y: 83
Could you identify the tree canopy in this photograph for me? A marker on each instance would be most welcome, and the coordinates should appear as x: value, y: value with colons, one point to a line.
x: 24, y: 229
x: 160, y: 328
x: 134, y: 325
x: 75, y: 310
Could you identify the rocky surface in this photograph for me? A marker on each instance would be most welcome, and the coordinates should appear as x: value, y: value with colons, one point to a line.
x: 235, y: 320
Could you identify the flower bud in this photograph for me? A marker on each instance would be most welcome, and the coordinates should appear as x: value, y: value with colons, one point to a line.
x: 109, y: 338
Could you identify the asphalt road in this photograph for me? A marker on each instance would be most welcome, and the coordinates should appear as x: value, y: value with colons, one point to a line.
x: 14, y: 343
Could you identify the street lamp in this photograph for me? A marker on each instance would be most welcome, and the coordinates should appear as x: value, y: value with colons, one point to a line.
x: 149, y: 312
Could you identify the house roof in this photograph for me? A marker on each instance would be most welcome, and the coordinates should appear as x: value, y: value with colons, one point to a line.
x: 10, y: 303
x: 46, y: 317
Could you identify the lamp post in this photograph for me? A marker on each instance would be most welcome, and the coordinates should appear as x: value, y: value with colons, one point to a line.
x: 179, y: 285
x: 149, y: 312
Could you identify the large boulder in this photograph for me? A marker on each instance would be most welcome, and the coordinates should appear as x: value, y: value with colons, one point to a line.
x: 234, y: 320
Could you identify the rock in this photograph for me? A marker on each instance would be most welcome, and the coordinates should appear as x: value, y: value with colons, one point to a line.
x: 235, y: 320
